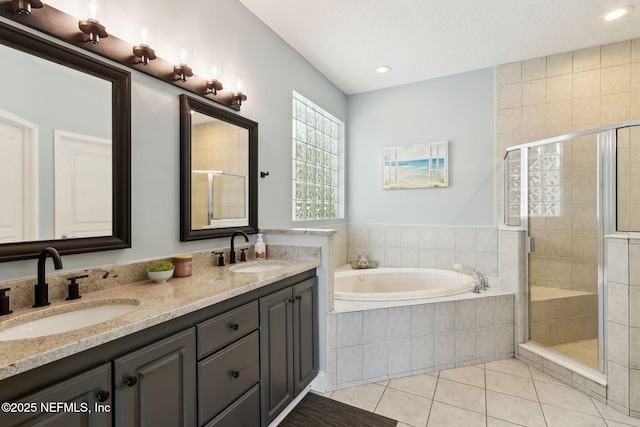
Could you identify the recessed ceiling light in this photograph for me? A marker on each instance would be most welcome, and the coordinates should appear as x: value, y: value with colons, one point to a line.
x: 618, y: 13
x: 383, y: 69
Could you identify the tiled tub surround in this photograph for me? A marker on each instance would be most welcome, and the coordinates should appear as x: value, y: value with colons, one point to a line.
x: 427, y: 246
x: 390, y: 342
x: 159, y: 302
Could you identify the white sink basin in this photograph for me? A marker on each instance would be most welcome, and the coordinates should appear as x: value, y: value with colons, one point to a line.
x: 257, y: 266
x: 53, y: 321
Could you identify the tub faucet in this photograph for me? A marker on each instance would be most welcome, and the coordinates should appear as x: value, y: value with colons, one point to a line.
x: 41, y: 289
x: 232, y: 252
x: 483, y: 280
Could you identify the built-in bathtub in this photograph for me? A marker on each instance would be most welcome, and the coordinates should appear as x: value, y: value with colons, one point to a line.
x: 377, y: 340
x: 399, y: 284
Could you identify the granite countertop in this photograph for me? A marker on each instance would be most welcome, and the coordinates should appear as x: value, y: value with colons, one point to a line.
x: 158, y: 303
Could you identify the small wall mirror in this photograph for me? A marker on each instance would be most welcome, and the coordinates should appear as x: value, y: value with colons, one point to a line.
x: 65, y: 130
x: 218, y: 172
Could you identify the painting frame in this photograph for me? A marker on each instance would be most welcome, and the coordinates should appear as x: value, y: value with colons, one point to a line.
x: 422, y: 165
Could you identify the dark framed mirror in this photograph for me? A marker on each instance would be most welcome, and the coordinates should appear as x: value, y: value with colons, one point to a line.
x: 71, y: 118
x: 218, y: 171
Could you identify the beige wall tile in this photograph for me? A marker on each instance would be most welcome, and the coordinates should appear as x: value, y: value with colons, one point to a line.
x: 510, y: 96
x: 635, y: 76
x: 616, y: 54
x: 635, y: 105
x: 586, y: 83
x: 616, y: 79
x: 635, y: 50
x: 533, y: 135
x: 559, y: 114
x: 584, y: 191
x: 586, y: 59
x: 585, y: 245
x: 558, y: 243
x: 509, y: 120
x: 585, y: 143
x: 559, y: 64
x: 584, y: 164
x: 584, y: 218
x: 615, y: 108
x: 564, y: 130
x: 534, y: 117
x: 560, y: 88
x: 510, y: 73
x: 533, y: 69
x: 586, y: 111
x: 534, y: 92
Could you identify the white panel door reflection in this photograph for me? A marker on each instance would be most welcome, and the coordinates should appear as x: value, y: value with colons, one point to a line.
x: 83, y: 183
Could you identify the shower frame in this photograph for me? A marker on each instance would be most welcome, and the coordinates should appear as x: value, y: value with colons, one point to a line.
x: 606, y: 210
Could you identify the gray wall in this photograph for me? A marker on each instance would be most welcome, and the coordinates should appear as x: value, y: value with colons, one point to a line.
x: 275, y: 69
x: 459, y: 109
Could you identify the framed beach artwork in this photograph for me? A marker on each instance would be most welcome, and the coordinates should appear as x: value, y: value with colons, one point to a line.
x: 416, y: 166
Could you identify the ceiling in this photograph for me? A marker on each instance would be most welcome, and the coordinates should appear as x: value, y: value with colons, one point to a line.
x: 346, y: 40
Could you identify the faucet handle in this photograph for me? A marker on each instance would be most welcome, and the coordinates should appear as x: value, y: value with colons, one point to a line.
x: 4, y: 302
x: 74, y: 288
x: 243, y: 256
x: 220, y: 258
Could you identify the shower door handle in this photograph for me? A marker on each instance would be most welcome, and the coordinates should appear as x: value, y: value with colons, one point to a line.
x: 531, y: 245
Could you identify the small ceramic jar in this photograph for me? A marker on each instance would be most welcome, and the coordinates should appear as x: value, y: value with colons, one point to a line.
x: 183, y: 265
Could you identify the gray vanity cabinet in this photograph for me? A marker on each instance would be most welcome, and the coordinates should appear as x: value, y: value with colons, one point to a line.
x: 288, y: 345
x: 156, y: 385
x: 229, y: 376
x: 87, y: 397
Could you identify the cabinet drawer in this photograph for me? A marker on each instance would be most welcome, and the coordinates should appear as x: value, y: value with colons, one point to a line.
x: 244, y: 412
x: 226, y: 328
x: 226, y: 375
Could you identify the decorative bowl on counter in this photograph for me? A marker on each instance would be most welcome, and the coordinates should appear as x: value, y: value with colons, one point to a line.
x: 161, y: 271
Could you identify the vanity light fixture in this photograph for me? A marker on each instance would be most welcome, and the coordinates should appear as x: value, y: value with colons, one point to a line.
x: 23, y: 7
x: 182, y: 59
x: 239, y: 89
x: 94, y: 9
x: 213, y: 85
x: 618, y: 13
x: 146, y: 31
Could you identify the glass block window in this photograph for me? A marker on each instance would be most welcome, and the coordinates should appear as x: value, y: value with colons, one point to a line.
x: 514, y: 190
x: 544, y: 180
x: 317, y: 141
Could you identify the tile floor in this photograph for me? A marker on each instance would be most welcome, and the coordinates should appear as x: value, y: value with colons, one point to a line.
x: 495, y: 394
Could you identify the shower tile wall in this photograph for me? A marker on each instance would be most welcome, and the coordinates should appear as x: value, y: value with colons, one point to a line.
x: 564, y: 93
x: 375, y: 345
x: 426, y: 246
x: 628, y: 197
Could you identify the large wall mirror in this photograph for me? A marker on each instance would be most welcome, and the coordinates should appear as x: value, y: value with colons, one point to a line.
x: 218, y: 171
x: 65, y: 131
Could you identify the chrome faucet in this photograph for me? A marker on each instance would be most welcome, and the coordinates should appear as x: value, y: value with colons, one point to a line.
x: 232, y: 252
x: 484, y: 284
x: 41, y: 294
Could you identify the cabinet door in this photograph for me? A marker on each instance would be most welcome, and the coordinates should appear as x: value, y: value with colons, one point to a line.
x: 83, y: 400
x: 305, y: 334
x: 276, y: 353
x: 156, y: 385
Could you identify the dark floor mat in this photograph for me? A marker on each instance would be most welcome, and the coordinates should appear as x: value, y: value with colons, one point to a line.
x: 316, y: 410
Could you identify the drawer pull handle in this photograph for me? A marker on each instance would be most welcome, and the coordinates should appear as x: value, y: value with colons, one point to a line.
x: 234, y: 326
x: 130, y: 381
x: 102, y: 396
x: 235, y: 374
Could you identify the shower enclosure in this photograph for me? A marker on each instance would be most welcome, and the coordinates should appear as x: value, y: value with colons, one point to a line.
x: 569, y: 192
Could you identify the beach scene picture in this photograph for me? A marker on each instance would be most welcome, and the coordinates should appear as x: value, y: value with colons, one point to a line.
x: 416, y: 166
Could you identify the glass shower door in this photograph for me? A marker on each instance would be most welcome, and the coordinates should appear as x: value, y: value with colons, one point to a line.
x: 562, y: 199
